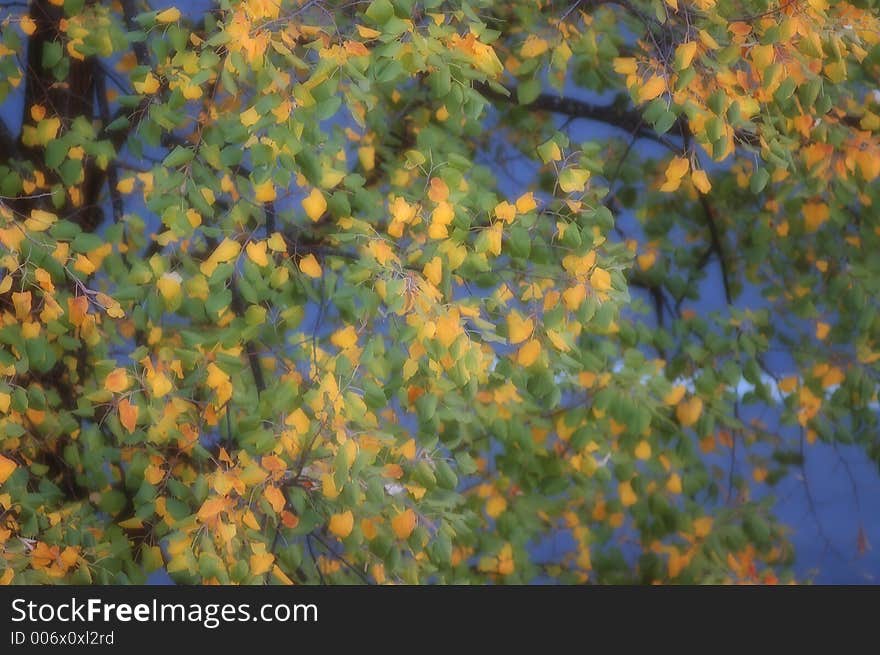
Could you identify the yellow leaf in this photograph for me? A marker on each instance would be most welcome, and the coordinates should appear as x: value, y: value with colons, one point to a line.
x: 226, y: 251
x: 169, y: 286
x: 708, y: 40
x: 261, y: 562
x: 549, y: 151
x: 5, y: 401
x: 815, y: 214
x: 211, y: 508
x: 314, y: 205
x: 299, y: 420
x: 647, y: 259
x: 310, y: 266
x: 344, y: 338
x: 160, y: 385
x: 117, y: 381
x: 494, y: 234
x: 114, y: 310
x: 762, y: 56
x: 688, y: 411
x: 264, y: 191
x: 7, y: 466
x: 643, y: 450
x: 788, y: 384
x: 43, y: 278
x: 192, y: 92
x: 573, y: 179
x: 154, y: 474
x: 27, y: 24
x: 216, y: 376
x: 673, y: 484
x: 505, y: 211
x: 533, y: 47
x: 433, y: 271
x: 628, y: 497
x: 529, y: 353
x: 625, y: 65
x: 341, y: 524
x: 438, y: 231
x: 21, y: 301
x: 675, y: 395
x: 505, y: 560
x: 84, y: 265
x: 275, y: 497
x: 684, y: 54
x: 48, y: 129
x: 676, y: 170
x: 256, y: 252
x: 702, y: 527
x: 518, y: 328
x: 443, y: 214
x: 652, y: 88
x: 128, y: 414
x: 367, y: 157
x: 148, y: 86
x: 171, y: 15
x: 367, y: 32
x: 125, y: 185
x: 220, y: 382
x: 280, y: 575
x: 438, y: 191
x: 526, y: 203
x: 600, y: 279
x: 701, y: 181
x: 558, y: 341
x: 404, y: 523
x: 495, y: 505
x: 408, y: 449
x: 249, y: 117
x: 40, y: 220
x: 822, y: 330
x: 834, y: 376
x: 276, y: 242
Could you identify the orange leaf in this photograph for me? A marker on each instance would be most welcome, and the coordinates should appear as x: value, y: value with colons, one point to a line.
x: 341, y: 524
x: 275, y: 498
x: 128, y: 414
x: 404, y: 523
x: 211, y: 508
x: 7, y: 466
x: 117, y: 381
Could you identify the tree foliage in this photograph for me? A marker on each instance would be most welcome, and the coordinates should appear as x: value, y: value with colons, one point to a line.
x: 313, y: 291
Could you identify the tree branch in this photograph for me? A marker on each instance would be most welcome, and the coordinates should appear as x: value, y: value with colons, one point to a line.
x: 716, y: 246
x: 617, y: 115
x: 112, y: 173
x: 7, y: 141
x: 250, y: 349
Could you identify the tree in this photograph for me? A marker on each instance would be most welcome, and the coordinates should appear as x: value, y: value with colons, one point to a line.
x: 312, y: 291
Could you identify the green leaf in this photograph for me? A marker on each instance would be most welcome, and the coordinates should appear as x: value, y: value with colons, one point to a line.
x: 527, y: 92
x: 380, y: 11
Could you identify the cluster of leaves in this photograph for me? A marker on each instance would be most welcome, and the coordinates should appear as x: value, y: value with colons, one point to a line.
x: 266, y: 317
